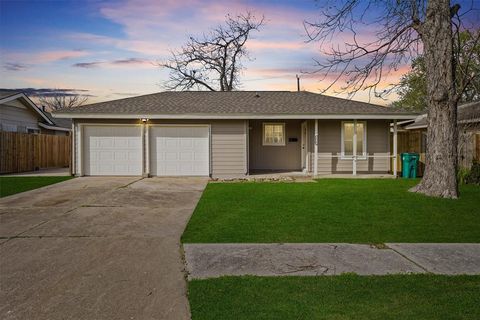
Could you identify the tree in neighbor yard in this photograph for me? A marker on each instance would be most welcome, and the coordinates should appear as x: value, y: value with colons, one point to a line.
x: 62, y: 100
x: 404, y: 30
x: 412, y: 89
x: 214, y: 60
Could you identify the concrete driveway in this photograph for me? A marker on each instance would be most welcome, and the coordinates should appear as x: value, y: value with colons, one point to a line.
x: 96, y: 248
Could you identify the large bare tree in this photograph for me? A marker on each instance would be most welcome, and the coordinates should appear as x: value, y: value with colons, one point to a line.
x: 61, y: 100
x: 213, y: 61
x: 401, y: 31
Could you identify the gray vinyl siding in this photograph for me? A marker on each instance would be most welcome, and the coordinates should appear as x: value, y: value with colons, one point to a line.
x: 15, y: 113
x: 329, y: 143
x: 287, y: 157
x: 228, y: 148
x: 228, y: 143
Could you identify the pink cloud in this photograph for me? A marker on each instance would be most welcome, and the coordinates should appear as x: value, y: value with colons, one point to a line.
x: 255, y: 44
x: 119, y: 63
x: 50, y: 56
x: 147, y: 47
x: 43, y: 57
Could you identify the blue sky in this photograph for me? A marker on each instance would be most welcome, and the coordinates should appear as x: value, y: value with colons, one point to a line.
x: 110, y: 47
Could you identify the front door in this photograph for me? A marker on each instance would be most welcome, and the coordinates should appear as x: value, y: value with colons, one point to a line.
x: 304, y: 146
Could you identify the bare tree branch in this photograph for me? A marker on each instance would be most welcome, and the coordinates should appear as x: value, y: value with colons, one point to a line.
x: 212, y: 62
x: 364, y: 62
x: 61, y: 101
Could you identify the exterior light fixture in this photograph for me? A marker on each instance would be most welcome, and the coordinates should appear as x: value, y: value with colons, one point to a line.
x: 144, y: 120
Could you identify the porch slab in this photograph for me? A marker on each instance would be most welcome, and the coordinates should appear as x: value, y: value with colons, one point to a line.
x: 358, y: 176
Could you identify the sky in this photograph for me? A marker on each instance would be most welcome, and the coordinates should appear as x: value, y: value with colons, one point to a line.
x: 109, y: 49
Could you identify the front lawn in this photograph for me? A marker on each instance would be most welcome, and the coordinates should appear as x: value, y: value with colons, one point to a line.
x: 12, y: 185
x: 339, y: 297
x: 332, y: 210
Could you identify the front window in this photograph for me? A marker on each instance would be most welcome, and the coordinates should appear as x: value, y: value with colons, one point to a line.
x: 33, y: 131
x: 347, y: 139
x: 274, y: 134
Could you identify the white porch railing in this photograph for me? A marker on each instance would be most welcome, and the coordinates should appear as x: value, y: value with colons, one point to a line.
x: 354, y: 158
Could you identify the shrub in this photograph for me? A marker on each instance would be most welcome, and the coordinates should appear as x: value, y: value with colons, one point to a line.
x: 462, y: 175
x: 473, y: 177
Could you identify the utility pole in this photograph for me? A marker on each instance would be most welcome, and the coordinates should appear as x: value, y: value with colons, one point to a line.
x: 298, y: 82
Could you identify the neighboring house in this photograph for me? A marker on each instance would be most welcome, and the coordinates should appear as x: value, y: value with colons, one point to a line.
x: 468, y: 118
x: 231, y: 134
x: 19, y: 114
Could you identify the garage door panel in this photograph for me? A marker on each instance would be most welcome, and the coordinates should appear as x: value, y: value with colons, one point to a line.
x: 179, y: 151
x: 112, y: 150
x: 201, y: 156
x: 186, y: 156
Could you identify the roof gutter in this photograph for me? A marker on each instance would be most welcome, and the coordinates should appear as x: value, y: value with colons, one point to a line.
x: 46, y: 126
x: 232, y: 116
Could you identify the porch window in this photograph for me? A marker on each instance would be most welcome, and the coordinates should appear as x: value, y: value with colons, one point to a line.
x: 347, y: 139
x: 274, y: 134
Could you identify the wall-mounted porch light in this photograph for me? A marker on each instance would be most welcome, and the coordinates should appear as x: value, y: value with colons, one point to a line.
x: 144, y: 120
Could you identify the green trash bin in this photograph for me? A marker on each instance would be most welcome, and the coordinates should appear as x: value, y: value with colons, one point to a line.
x: 409, y: 164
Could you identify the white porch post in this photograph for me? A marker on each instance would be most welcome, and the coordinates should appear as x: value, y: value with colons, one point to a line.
x: 79, y: 150
x: 73, y: 151
x: 355, y: 147
x: 395, y: 148
x: 147, y: 149
x: 315, y: 150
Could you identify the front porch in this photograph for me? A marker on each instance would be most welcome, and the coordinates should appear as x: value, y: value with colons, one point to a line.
x: 322, y: 148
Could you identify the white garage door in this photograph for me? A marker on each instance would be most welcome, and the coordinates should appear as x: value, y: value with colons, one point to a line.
x: 179, y: 150
x: 112, y: 150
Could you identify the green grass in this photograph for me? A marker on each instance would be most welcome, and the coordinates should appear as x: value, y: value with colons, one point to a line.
x: 333, y: 210
x: 12, y: 185
x: 336, y: 297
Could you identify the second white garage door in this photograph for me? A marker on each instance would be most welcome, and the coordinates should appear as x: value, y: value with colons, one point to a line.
x: 179, y: 150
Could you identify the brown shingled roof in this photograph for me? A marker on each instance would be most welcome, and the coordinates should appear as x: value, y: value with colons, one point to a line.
x: 234, y: 102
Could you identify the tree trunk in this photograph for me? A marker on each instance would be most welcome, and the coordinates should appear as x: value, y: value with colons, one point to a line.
x: 440, y: 178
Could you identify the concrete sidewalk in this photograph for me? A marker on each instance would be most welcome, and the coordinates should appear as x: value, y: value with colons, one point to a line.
x: 311, y: 259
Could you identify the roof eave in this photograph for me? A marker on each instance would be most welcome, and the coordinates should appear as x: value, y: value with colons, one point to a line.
x: 29, y: 103
x: 232, y: 116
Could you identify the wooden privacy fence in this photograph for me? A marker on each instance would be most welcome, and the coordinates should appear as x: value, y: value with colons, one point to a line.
x: 409, y: 141
x: 477, y: 146
x: 20, y: 152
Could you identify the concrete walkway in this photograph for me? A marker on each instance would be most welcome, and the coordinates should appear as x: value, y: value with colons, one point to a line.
x: 96, y: 248
x: 52, y: 172
x: 214, y: 260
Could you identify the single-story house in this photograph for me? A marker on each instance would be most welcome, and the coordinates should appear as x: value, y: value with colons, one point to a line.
x: 232, y: 134
x: 20, y: 114
x: 468, y: 119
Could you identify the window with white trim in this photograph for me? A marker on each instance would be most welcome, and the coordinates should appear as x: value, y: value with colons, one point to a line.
x: 347, y: 139
x: 274, y: 134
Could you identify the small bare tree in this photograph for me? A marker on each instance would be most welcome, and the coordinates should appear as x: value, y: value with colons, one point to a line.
x: 404, y: 29
x: 212, y: 62
x: 61, y: 101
